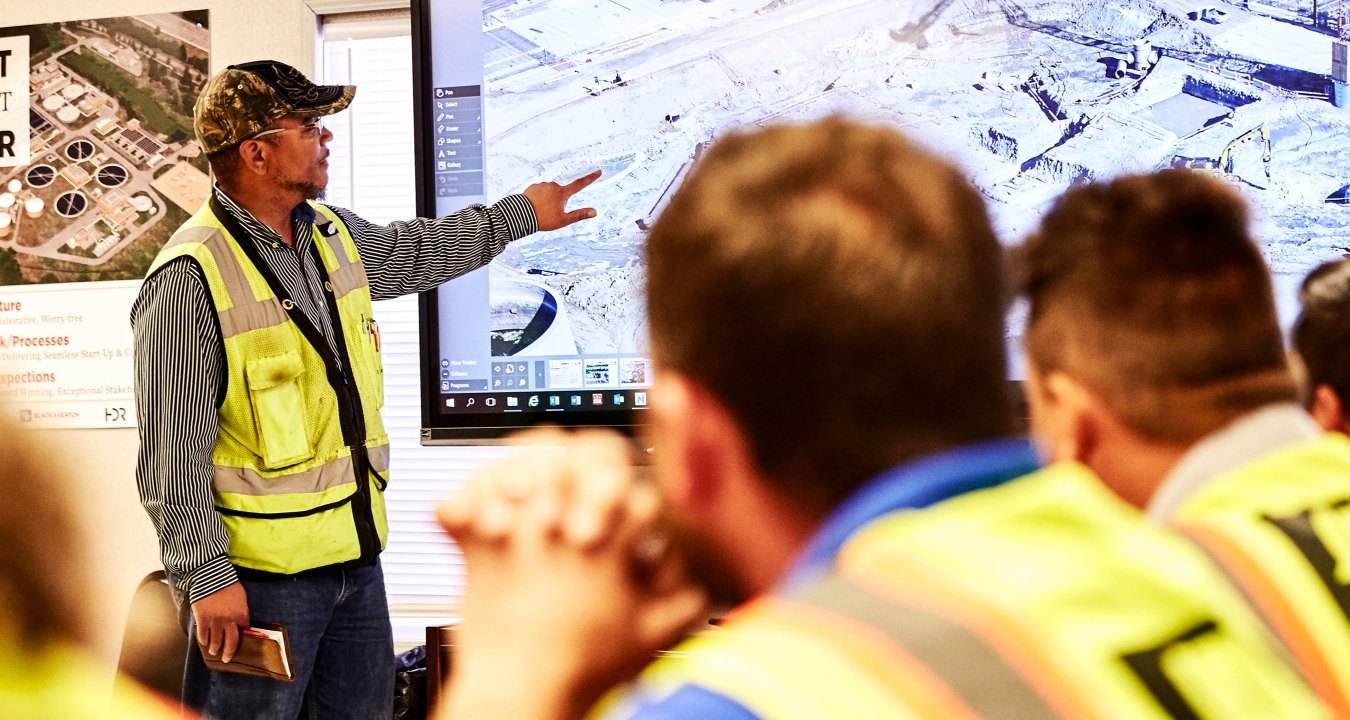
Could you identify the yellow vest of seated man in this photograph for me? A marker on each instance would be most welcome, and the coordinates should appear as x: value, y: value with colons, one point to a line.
x: 293, y: 440
x: 1042, y: 597
x: 65, y: 683
x: 1281, y: 527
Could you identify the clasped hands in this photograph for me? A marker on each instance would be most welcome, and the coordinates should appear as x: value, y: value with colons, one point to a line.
x: 572, y: 586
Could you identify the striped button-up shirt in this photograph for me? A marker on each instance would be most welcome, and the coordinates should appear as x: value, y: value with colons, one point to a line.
x: 180, y: 354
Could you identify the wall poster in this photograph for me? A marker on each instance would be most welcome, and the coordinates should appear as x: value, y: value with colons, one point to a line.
x: 98, y: 167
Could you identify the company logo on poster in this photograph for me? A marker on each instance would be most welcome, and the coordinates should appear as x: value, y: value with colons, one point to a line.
x: 14, y: 147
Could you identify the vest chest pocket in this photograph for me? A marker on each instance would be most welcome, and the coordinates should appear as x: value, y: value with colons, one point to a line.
x: 279, y: 409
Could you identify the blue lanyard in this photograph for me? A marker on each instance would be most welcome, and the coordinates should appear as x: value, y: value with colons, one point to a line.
x: 913, y: 485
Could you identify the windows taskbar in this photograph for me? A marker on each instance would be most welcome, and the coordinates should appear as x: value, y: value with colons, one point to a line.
x: 534, y: 401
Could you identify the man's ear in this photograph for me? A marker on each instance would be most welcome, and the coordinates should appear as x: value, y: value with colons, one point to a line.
x: 698, y: 443
x: 1081, y: 417
x: 668, y: 427
x: 1065, y: 415
x: 254, y: 155
x: 1327, y: 409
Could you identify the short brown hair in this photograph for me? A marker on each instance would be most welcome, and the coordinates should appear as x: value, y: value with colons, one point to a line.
x: 1150, y: 290
x: 1322, y: 332
x: 840, y: 291
x: 225, y: 164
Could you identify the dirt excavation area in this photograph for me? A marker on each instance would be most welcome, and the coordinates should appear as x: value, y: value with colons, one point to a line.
x: 1029, y: 97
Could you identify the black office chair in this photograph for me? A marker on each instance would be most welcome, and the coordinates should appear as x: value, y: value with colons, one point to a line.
x: 154, y: 645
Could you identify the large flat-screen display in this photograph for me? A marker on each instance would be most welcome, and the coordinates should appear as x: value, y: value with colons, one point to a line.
x: 1028, y: 97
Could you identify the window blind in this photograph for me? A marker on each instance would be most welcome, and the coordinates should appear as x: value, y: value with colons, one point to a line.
x: 371, y: 173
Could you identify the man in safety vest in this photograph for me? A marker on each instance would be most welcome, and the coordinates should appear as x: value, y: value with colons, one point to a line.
x: 1156, y: 360
x: 1321, y: 339
x: 833, y: 444
x: 259, y: 383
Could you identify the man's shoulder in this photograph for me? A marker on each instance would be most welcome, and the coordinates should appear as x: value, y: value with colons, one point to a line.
x: 984, y: 513
x: 326, y: 212
x: 1059, y: 525
x: 687, y: 702
x: 179, y: 269
x: 327, y: 218
x: 1321, y: 467
x: 165, y: 288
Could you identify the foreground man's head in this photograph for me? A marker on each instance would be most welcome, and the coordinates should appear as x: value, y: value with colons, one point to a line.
x: 825, y: 302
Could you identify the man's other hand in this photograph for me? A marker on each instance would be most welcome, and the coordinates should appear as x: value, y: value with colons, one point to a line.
x: 219, y: 617
x: 550, y: 202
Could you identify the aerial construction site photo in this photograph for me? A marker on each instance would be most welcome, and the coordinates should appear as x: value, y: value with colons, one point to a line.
x: 1029, y: 97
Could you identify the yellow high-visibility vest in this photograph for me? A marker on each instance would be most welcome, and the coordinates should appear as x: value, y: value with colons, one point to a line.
x: 1045, y: 596
x: 302, y: 458
x: 63, y: 682
x: 1280, y: 526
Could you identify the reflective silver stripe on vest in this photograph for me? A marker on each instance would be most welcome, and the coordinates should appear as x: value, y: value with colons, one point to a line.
x: 198, y: 234
x: 246, y: 312
x: 247, y: 481
x: 347, y: 276
x: 973, y: 670
x: 379, y: 458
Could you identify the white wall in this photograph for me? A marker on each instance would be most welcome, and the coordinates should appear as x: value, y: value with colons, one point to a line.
x: 102, y: 462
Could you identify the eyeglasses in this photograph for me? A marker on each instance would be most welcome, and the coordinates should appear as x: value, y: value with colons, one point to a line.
x: 309, y: 131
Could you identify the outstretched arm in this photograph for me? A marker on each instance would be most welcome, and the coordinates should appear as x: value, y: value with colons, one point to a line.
x: 416, y: 255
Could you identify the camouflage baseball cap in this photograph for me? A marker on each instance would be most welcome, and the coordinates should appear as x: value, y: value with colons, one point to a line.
x: 248, y: 98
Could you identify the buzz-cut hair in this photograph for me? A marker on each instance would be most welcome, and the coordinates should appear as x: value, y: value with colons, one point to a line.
x: 1321, y: 335
x: 1150, y: 290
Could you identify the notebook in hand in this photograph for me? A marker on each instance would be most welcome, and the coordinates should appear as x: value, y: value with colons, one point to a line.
x: 264, y: 651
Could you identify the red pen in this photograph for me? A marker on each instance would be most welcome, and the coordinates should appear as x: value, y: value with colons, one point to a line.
x: 254, y: 633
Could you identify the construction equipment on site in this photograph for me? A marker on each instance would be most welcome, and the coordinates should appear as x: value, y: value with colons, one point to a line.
x: 1222, y: 166
x: 1225, y: 163
x: 1048, y: 92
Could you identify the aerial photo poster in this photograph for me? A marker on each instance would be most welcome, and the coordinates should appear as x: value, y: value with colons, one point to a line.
x: 98, y: 167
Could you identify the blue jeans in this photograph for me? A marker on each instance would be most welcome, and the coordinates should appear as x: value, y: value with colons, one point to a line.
x: 342, y: 653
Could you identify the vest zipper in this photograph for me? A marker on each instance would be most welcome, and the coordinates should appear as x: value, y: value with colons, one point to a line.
x: 351, y: 415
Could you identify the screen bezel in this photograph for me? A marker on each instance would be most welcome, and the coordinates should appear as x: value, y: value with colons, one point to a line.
x: 438, y: 427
